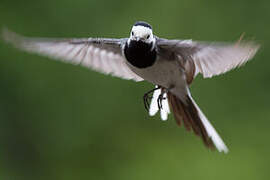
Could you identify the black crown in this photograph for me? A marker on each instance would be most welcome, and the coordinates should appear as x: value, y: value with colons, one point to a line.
x: 142, y: 23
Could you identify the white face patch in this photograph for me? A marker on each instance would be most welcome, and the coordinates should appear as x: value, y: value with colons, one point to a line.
x: 142, y: 33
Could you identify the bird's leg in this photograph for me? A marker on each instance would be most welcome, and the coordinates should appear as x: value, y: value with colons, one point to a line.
x: 161, y: 97
x: 147, y: 97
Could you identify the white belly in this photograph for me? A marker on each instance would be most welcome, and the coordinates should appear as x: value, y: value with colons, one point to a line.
x: 165, y: 73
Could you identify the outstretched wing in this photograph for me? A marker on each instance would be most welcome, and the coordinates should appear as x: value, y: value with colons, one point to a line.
x: 209, y: 59
x: 100, y: 54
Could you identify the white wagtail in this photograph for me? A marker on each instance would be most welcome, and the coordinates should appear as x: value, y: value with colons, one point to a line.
x: 171, y: 65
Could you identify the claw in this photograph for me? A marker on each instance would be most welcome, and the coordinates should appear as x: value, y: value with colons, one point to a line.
x: 160, y: 99
x: 146, y: 101
x: 147, y: 98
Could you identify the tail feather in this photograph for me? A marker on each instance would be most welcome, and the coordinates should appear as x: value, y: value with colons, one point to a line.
x: 192, y: 117
x: 176, y: 106
x: 212, y: 133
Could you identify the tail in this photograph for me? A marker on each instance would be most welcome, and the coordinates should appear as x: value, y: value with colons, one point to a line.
x: 193, y: 118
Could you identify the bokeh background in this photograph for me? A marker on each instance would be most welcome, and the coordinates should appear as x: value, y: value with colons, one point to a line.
x: 59, y: 121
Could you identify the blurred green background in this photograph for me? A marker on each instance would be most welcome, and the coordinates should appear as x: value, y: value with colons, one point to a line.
x: 59, y: 121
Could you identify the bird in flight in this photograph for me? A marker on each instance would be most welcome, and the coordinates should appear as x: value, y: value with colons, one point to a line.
x: 171, y: 65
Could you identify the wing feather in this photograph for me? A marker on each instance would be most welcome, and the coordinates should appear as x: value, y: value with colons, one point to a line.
x: 210, y: 59
x: 100, y: 54
x: 215, y: 59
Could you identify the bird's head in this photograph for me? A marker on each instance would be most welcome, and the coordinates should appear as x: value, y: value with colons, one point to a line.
x: 142, y: 31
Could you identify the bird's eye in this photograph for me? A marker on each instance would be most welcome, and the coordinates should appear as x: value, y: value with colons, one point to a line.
x: 148, y: 36
x: 132, y: 33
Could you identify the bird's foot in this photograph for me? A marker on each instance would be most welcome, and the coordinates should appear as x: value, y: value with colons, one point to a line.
x: 147, y: 98
x: 161, y: 98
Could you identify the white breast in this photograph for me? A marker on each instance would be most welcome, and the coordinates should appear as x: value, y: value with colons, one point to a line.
x: 166, y: 73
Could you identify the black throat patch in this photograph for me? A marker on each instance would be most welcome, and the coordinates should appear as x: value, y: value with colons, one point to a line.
x: 139, y: 54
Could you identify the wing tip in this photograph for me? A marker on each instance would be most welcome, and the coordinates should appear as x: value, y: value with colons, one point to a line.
x: 10, y: 37
x: 6, y: 34
x: 251, y: 45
